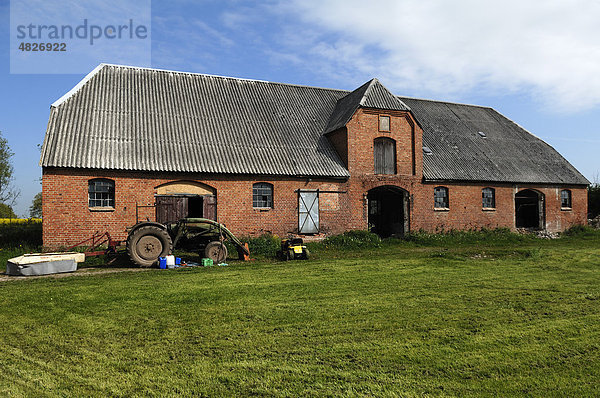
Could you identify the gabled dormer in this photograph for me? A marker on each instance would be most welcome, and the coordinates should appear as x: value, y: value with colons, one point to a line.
x: 375, y: 133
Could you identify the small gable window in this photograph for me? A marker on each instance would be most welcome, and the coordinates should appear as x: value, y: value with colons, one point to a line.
x: 385, y: 155
x: 101, y: 193
x: 440, y: 197
x: 262, y: 195
x: 384, y: 123
x: 488, y: 198
x: 565, y: 199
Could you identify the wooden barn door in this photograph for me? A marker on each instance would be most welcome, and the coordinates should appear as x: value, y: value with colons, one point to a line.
x: 210, y: 207
x: 171, y: 208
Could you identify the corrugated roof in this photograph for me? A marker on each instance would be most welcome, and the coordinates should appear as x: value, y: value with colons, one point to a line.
x: 144, y: 119
x: 372, y: 94
x: 508, y: 153
x: 130, y: 118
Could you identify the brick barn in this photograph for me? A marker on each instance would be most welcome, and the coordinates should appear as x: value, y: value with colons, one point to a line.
x: 131, y: 143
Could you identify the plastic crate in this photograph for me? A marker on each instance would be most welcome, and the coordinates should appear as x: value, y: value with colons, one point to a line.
x: 207, y: 262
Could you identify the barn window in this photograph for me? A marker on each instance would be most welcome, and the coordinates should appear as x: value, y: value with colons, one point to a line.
x: 385, y: 155
x: 440, y: 198
x: 384, y: 123
x: 262, y: 195
x: 565, y: 199
x: 101, y: 193
x: 488, y: 198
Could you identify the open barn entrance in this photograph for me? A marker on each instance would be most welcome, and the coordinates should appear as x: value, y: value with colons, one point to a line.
x: 185, y: 199
x: 388, y: 211
x: 529, y: 209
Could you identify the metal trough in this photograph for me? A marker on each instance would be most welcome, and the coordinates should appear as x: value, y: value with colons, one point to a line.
x: 43, y: 263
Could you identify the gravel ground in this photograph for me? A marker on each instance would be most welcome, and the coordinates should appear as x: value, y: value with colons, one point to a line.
x: 80, y: 272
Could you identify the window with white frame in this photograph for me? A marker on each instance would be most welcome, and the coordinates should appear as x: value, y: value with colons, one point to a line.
x: 488, y: 198
x: 262, y: 195
x: 101, y: 193
x: 440, y: 197
x: 565, y: 199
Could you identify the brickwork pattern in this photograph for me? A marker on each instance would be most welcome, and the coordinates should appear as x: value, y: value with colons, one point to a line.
x: 68, y: 219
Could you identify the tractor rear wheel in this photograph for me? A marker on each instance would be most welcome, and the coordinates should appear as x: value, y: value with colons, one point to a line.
x: 146, y: 244
x: 216, y: 251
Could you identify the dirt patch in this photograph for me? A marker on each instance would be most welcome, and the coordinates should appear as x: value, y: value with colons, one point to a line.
x: 80, y: 272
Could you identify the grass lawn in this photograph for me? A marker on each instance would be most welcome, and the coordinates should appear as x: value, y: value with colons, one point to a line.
x: 452, y: 318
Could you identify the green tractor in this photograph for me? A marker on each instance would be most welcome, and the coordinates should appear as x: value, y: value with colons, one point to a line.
x: 147, y: 241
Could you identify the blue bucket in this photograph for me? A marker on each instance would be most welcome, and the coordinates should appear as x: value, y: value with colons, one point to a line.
x: 177, y: 261
x: 162, y: 262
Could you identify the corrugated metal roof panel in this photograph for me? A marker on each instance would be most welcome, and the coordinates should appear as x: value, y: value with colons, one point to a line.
x: 372, y: 94
x: 144, y: 119
x: 508, y: 153
x: 132, y: 118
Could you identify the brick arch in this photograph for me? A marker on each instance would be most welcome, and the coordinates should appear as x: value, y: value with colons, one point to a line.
x: 390, y: 184
x: 530, y: 209
x: 388, y: 210
x: 187, y: 187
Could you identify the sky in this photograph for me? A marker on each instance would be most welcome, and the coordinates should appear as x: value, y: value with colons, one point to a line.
x: 535, y: 62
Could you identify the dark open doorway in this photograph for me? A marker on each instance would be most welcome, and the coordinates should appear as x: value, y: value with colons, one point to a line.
x: 195, y: 207
x: 171, y: 208
x: 529, y: 209
x: 388, y: 211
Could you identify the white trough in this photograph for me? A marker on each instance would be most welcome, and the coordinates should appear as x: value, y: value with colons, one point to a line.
x: 43, y: 263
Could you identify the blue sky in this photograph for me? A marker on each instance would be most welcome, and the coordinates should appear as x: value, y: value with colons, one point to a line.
x: 535, y: 62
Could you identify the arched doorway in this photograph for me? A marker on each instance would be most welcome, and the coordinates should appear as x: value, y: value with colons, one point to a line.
x: 529, y: 209
x: 388, y: 211
x: 185, y: 199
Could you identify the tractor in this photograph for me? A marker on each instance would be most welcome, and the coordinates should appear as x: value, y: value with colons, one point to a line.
x: 293, y: 249
x: 147, y: 241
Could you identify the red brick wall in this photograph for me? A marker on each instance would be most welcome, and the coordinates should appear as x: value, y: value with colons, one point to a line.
x: 362, y: 131
x: 466, y: 210
x: 68, y: 220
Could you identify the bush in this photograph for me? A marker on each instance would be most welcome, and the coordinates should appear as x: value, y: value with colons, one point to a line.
x: 27, y: 233
x: 457, y: 237
x: 580, y: 230
x: 265, y: 245
x: 353, y: 240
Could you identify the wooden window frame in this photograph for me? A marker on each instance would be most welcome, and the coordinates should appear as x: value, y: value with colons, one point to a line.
x: 389, y: 123
x: 383, y: 141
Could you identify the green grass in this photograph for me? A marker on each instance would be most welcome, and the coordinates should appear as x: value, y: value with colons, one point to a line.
x: 449, y: 316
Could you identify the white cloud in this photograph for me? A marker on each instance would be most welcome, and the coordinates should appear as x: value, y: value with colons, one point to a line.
x: 549, y: 49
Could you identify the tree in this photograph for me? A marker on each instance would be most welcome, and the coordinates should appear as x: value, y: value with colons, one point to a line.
x: 8, y: 193
x: 6, y: 211
x: 35, y: 210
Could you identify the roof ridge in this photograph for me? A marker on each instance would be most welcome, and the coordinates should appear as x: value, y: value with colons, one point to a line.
x: 100, y: 66
x: 370, y: 84
x: 221, y: 76
x: 76, y: 88
x: 444, y: 102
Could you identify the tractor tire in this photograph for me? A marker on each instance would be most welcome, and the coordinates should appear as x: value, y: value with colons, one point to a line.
x: 216, y: 251
x: 146, y: 244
